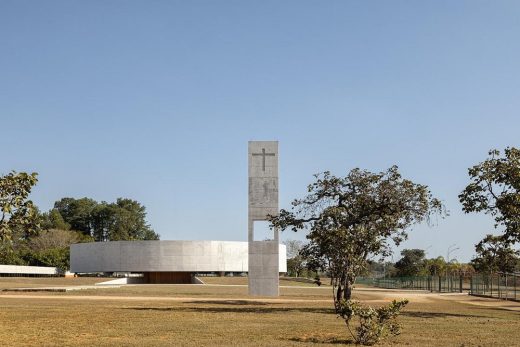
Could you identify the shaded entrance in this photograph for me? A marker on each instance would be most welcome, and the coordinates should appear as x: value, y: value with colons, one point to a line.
x: 167, y: 277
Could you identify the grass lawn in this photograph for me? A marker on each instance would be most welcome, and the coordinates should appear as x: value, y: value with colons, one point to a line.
x: 191, y: 315
x: 33, y: 282
x: 284, y: 281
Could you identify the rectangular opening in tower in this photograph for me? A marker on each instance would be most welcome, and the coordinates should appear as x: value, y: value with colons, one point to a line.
x: 261, y: 231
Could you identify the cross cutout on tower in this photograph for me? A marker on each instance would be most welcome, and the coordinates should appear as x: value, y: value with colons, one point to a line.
x: 263, y: 154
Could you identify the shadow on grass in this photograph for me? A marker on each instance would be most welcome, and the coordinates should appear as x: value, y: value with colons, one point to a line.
x: 323, y: 340
x: 421, y: 314
x: 234, y: 306
x: 230, y: 302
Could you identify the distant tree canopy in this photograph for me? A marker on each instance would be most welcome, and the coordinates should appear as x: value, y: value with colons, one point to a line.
x: 295, y: 260
x: 435, y: 266
x: 414, y: 264
x: 495, y: 190
x: 28, y: 237
x: 493, y: 255
x: 124, y: 219
x: 411, y: 263
x: 52, y: 248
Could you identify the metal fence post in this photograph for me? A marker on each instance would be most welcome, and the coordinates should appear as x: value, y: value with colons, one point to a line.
x: 440, y: 284
x: 506, y: 286
x: 460, y: 283
x: 499, y: 292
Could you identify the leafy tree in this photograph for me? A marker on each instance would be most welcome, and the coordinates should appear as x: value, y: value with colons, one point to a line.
x: 466, y: 270
x: 53, y: 220
x: 495, y: 190
x: 18, y: 215
x: 352, y: 218
x: 494, y: 255
x: 293, y: 247
x: 52, y: 248
x: 130, y: 222
x: 55, y: 257
x: 411, y: 263
x: 294, y: 267
x: 295, y: 260
x: 77, y: 213
x: 102, y: 220
x: 123, y: 220
x: 435, y: 266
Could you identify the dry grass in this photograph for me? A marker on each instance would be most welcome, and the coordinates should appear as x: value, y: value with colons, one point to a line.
x: 284, y: 281
x: 166, y: 315
x: 33, y: 282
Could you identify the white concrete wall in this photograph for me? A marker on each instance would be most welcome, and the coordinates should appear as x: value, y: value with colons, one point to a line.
x: 151, y: 256
x: 28, y: 270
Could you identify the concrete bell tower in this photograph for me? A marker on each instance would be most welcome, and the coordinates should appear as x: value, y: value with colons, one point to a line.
x: 263, y: 255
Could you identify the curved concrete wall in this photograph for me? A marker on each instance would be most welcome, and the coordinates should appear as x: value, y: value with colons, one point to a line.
x: 152, y: 256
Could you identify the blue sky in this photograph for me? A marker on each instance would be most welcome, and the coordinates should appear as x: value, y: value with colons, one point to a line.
x: 156, y: 100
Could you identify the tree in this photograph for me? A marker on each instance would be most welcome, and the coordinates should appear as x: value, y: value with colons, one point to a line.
x: 130, y: 222
x: 54, y: 257
x: 494, y: 255
x: 102, y: 221
x: 435, y: 266
x: 293, y: 247
x: 350, y: 219
x: 123, y: 220
x: 295, y: 260
x: 77, y: 213
x: 411, y: 263
x: 495, y: 190
x: 53, y: 220
x: 52, y: 248
x: 56, y: 238
x: 466, y: 270
x: 18, y: 215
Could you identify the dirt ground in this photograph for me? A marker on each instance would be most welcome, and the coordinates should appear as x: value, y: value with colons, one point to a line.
x: 222, y: 315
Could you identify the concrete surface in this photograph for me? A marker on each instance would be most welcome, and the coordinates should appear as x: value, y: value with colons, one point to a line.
x: 167, y: 256
x: 264, y: 255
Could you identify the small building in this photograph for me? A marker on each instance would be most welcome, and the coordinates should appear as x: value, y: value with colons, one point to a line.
x: 28, y: 271
x: 165, y: 261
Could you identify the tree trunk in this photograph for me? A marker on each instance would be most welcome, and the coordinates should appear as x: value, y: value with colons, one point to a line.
x: 339, y: 293
x: 347, y: 294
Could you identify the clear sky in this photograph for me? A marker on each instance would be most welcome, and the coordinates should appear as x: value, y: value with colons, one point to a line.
x: 156, y: 100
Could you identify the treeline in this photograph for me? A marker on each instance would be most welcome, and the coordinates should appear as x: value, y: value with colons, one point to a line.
x: 124, y: 219
x: 413, y: 262
x: 29, y: 237
x: 491, y: 256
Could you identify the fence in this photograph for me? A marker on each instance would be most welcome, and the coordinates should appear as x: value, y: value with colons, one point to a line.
x: 500, y: 285
x: 441, y: 284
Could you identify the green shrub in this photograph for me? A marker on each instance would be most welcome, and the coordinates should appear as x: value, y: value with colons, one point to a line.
x: 55, y: 257
x: 374, y: 323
